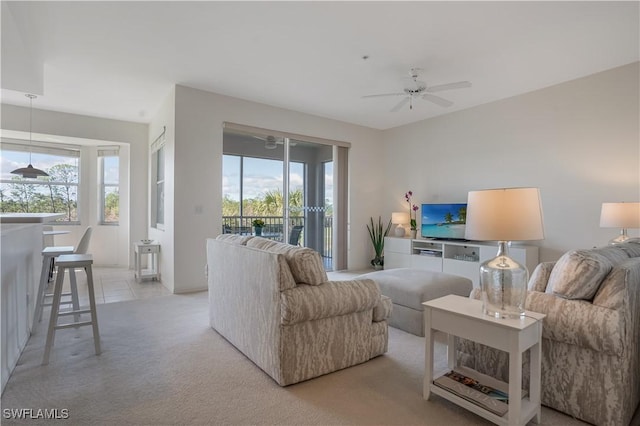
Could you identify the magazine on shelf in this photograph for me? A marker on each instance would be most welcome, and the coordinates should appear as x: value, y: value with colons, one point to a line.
x: 471, y: 389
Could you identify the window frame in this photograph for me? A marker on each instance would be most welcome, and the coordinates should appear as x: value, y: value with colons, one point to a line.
x: 157, y: 187
x: 69, y: 152
x: 102, y: 154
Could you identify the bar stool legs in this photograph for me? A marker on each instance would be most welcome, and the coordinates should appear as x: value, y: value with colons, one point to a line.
x: 48, y: 256
x: 72, y: 261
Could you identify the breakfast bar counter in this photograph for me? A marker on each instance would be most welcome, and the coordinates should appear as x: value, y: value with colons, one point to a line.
x: 29, y: 217
x: 21, y: 259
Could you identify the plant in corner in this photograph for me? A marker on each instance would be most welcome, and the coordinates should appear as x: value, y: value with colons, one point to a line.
x: 377, y: 234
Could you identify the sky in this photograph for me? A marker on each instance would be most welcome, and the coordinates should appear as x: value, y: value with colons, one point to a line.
x: 11, y: 160
x: 262, y: 175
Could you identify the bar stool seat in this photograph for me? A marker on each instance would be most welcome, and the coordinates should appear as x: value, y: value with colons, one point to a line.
x: 48, y: 255
x: 71, y: 262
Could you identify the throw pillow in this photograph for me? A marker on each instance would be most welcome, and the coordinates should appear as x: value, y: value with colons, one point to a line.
x: 305, y: 263
x: 578, y: 274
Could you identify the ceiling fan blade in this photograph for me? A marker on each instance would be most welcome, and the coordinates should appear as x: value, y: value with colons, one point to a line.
x: 437, y: 100
x: 384, y: 94
x: 449, y: 86
x: 401, y: 104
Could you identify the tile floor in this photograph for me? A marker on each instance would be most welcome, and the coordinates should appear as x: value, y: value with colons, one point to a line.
x: 118, y: 285
x: 114, y: 285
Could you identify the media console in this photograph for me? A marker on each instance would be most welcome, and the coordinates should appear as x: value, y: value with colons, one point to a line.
x: 452, y: 257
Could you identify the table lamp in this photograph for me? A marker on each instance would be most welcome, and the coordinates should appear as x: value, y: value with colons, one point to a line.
x: 399, y: 219
x: 620, y: 215
x: 504, y: 215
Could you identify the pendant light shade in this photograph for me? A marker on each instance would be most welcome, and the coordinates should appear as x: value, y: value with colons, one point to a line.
x: 30, y: 172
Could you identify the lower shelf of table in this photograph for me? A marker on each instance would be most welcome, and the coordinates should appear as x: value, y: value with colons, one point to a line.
x: 527, y: 410
x: 147, y: 275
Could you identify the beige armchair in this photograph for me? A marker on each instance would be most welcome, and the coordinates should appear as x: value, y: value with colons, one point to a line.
x: 591, y: 334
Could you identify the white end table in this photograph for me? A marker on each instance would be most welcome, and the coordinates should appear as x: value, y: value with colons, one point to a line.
x: 152, y: 272
x: 462, y: 317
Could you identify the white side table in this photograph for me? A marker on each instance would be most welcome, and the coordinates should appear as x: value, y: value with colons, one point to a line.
x: 462, y: 317
x: 152, y: 272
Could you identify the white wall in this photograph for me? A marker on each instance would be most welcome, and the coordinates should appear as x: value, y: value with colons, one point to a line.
x: 578, y: 142
x: 115, y: 243
x: 165, y: 234
x: 198, y: 173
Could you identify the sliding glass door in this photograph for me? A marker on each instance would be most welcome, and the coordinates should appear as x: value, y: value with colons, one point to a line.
x: 283, y: 183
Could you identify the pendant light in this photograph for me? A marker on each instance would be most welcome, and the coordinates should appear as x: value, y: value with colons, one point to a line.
x: 30, y: 172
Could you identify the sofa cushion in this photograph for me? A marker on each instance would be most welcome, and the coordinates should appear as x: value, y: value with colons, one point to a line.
x: 578, y: 274
x: 305, y: 263
x: 632, y: 248
x: 613, y: 291
x: 614, y: 254
x: 234, y: 238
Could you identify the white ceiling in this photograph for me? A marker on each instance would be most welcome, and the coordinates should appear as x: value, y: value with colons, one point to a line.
x: 120, y: 59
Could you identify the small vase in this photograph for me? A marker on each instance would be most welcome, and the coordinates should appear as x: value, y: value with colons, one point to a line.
x: 258, y: 230
x: 413, y: 234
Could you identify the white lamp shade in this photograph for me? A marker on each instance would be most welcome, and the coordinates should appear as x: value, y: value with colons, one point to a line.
x: 620, y: 215
x: 506, y: 214
x: 399, y: 218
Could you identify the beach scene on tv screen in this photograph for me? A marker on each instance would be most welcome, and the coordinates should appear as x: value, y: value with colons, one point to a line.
x: 444, y: 220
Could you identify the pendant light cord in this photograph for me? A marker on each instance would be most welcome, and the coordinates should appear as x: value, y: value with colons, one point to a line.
x: 30, y: 96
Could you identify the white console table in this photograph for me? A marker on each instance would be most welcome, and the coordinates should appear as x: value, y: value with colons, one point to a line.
x: 452, y: 257
x: 462, y: 317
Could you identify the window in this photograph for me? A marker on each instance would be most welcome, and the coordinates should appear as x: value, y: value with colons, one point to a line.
x: 56, y: 193
x: 109, y: 169
x: 157, y: 188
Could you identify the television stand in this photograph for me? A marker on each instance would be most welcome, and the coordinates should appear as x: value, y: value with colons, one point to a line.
x: 451, y: 256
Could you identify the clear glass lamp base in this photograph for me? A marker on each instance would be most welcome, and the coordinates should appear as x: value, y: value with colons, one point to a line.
x: 503, y: 282
x: 623, y: 237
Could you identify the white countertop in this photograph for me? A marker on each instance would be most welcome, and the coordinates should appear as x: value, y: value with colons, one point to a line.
x: 29, y: 217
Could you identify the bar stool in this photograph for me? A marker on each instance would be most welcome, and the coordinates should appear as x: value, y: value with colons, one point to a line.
x: 49, y: 254
x: 72, y: 261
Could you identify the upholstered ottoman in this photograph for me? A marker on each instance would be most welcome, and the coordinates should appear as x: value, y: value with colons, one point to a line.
x: 408, y: 288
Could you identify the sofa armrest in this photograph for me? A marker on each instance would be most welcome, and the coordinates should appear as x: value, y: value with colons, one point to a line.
x: 579, y: 322
x: 383, y: 309
x: 329, y: 299
x: 540, y: 276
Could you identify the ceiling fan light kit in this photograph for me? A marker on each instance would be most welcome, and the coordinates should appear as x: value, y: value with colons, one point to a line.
x: 415, y: 88
x: 30, y: 172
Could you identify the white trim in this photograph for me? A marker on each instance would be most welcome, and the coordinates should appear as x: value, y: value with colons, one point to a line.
x: 40, y: 148
x: 241, y: 128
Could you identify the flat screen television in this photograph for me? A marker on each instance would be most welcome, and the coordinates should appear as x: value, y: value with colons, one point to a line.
x: 444, y: 221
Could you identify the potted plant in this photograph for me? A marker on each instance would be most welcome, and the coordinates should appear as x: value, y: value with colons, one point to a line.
x: 258, y: 224
x: 377, y: 233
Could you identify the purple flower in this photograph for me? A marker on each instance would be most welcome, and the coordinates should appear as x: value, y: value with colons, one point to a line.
x: 412, y: 209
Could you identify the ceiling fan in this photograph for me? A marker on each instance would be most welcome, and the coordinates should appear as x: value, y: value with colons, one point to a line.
x: 415, y: 88
x: 271, y: 142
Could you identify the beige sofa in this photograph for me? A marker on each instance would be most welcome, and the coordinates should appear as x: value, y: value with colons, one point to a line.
x: 274, y: 303
x: 591, y: 334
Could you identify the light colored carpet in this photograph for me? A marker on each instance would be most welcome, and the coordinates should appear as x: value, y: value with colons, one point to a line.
x: 163, y: 365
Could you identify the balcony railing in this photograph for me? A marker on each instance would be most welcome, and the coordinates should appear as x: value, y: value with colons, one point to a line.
x: 274, y: 229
